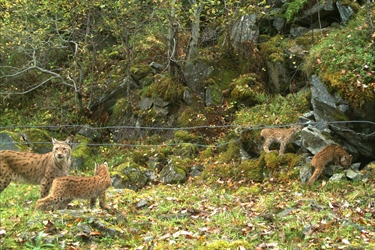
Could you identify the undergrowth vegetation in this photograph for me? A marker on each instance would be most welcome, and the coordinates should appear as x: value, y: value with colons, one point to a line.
x: 197, y: 216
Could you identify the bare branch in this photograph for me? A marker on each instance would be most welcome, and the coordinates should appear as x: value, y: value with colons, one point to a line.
x: 29, y: 90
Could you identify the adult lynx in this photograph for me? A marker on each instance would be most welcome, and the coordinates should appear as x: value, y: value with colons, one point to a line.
x: 330, y: 153
x: 34, y: 168
x: 65, y: 189
x: 279, y: 135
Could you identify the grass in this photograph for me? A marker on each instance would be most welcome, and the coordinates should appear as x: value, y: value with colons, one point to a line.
x: 196, y: 216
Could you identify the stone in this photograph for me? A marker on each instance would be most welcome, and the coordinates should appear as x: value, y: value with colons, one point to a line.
x: 346, y: 12
x: 7, y: 142
x: 313, y: 140
x: 245, y: 29
x: 171, y: 174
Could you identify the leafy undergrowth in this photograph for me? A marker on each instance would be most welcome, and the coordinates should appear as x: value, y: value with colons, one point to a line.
x: 195, y: 216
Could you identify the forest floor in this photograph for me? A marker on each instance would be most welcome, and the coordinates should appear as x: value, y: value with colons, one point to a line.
x: 271, y: 215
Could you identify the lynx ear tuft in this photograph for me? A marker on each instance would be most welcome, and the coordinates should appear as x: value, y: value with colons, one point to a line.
x: 69, y: 140
x: 54, y: 140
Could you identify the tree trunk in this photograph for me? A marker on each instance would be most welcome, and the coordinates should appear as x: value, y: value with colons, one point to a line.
x: 172, y: 43
x: 192, y: 47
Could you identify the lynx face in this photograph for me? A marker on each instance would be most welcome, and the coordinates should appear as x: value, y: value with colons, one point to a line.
x: 36, y: 168
x: 65, y: 189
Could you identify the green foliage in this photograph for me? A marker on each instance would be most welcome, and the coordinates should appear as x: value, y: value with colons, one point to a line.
x: 293, y: 7
x: 275, y: 109
x: 246, y: 90
x: 120, y: 108
x: 345, y: 62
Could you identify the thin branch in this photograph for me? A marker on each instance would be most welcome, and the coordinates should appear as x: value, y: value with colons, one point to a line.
x: 29, y: 90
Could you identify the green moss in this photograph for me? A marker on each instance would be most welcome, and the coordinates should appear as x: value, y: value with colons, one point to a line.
x: 120, y: 108
x: 249, y: 191
x: 38, y: 137
x: 232, y: 153
x: 344, y: 61
x: 184, y: 136
x: 251, y: 170
x: 185, y: 149
x: 273, y: 49
x: 245, y: 90
x: 82, y: 149
x: 167, y: 88
x: 273, y: 162
x: 293, y: 8
x: 190, y: 118
x: 282, y: 167
x: 140, y: 71
x: 207, y: 153
x: 140, y: 157
x: 275, y: 108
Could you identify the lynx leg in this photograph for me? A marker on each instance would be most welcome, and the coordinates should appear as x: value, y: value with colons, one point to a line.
x: 266, y: 145
x: 45, y: 186
x: 92, y: 202
x: 317, y: 172
x: 282, y: 148
x: 102, y: 201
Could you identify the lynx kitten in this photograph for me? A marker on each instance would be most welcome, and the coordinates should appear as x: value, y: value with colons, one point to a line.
x: 330, y: 153
x: 65, y: 189
x: 279, y: 135
x: 36, y: 168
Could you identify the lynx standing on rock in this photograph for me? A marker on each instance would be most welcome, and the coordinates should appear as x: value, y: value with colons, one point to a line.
x: 280, y: 135
x: 34, y: 168
x: 65, y: 189
x: 330, y: 153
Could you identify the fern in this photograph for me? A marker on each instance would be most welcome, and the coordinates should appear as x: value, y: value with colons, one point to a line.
x: 293, y: 8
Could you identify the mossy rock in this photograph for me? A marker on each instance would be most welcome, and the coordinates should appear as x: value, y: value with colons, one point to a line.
x: 273, y: 49
x: 121, y: 108
x: 129, y: 175
x: 166, y: 88
x: 251, y: 170
x: 282, y: 167
x: 244, y: 90
x: 39, y: 138
x: 173, y: 174
x: 231, y: 154
x: 140, y: 71
x: 186, y: 149
x: 191, y: 118
x: 10, y: 141
x: 140, y: 157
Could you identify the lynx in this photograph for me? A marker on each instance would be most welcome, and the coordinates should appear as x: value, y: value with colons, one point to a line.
x: 280, y: 135
x: 65, y: 189
x: 25, y: 167
x: 330, y: 153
